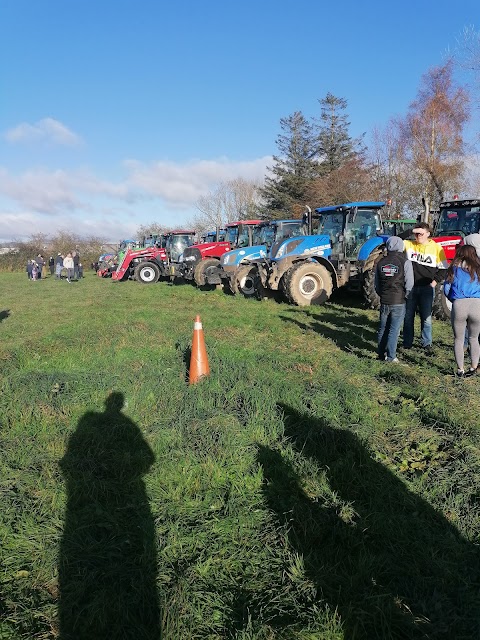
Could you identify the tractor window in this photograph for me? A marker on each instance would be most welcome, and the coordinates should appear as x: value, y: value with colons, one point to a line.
x: 243, y: 239
x: 365, y: 225
x: 464, y: 219
x: 264, y: 235
x: 289, y: 230
x: 331, y: 224
x: 232, y: 235
x: 177, y: 243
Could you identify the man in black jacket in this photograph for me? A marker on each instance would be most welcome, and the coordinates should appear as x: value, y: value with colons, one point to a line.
x: 393, y: 283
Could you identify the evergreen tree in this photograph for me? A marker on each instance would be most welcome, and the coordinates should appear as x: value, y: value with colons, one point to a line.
x: 294, y: 168
x: 335, y: 146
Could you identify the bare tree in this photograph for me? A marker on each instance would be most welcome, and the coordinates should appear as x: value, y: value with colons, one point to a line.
x: 431, y: 134
x: 236, y: 199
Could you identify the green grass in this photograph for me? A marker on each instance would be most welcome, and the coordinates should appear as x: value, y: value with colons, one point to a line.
x: 303, y: 491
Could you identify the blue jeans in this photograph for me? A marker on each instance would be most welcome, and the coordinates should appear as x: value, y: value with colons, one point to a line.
x: 421, y: 298
x: 391, y: 318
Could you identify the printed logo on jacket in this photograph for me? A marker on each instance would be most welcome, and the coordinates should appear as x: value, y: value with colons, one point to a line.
x: 389, y: 270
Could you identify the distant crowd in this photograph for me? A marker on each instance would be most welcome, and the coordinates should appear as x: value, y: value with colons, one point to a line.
x: 67, y: 267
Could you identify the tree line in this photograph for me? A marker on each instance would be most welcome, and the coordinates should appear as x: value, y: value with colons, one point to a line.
x: 419, y: 157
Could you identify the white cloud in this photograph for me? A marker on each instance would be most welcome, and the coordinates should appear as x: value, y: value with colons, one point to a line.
x: 182, y: 185
x: 42, y: 200
x: 47, y: 130
x: 21, y: 225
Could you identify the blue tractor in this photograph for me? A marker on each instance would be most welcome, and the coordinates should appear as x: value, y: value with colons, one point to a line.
x: 238, y: 267
x: 346, y: 242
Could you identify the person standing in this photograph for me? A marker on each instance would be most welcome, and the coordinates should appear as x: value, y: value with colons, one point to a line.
x: 68, y: 265
x: 462, y: 288
x: 76, y: 262
x: 51, y: 265
x: 393, y: 283
x: 29, y: 269
x: 429, y: 265
x: 39, y: 261
x: 58, y: 266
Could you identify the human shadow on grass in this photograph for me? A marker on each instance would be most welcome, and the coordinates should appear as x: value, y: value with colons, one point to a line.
x: 349, y: 330
x: 381, y: 556
x: 4, y: 314
x: 107, y: 562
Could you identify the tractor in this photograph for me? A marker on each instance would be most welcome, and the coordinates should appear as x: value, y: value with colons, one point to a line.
x: 148, y: 264
x: 456, y: 219
x: 346, y: 243
x: 200, y: 263
x: 238, y: 268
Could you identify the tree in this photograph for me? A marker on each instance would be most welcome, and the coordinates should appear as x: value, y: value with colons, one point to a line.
x: 335, y: 146
x: 285, y: 189
x: 232, y: 200
x: 431, y: 134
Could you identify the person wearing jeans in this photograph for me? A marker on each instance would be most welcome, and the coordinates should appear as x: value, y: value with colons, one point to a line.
x: 429, y: 265
x: 393, y: 283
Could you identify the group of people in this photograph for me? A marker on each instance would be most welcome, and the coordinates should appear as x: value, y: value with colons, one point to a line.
x: 406, y: 279
x: 68, y: 266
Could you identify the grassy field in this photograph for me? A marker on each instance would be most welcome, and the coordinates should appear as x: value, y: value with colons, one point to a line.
x: 303, y: 491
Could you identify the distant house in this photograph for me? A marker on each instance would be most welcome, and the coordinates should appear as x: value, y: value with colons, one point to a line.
x: 5, y: 250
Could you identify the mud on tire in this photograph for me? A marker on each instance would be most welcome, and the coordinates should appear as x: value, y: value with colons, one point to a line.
x: 245, y: 281
x: 200, y: 272
x: 307, y: 283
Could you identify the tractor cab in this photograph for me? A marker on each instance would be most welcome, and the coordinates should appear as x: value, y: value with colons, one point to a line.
x: 154, y: 240
x: 456, y: 219
x: 213, y: 236
x: 349, y: 227
x: 177, y: 242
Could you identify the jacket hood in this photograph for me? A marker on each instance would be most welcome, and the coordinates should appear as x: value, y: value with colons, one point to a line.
x: 395, y: 244
x: 474, y: 241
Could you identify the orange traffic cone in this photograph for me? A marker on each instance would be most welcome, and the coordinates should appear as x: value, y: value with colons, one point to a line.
x: 199, y: 361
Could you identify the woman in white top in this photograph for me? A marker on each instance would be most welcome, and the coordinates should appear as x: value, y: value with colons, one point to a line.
x: 68, y: 265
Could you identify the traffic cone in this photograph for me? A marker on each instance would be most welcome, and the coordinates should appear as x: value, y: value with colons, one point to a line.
x: 199, y: 361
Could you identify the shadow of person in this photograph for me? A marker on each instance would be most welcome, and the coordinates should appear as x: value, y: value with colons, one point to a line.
x: 107, y: 561
x: 378, y: 554
x: 4, y: 314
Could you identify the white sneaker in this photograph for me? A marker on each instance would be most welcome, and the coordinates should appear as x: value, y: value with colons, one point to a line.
x: 394, y: 361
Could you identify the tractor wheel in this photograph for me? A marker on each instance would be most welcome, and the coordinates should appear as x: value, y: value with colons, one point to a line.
x: 245, y: 278
x: 200, y: 273
x: 147, y: 273
x: 307, y: 283
x: 442, y: 307
x: 370, y: 296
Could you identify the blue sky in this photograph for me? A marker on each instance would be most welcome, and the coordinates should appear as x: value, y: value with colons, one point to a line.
x: 116, y: 113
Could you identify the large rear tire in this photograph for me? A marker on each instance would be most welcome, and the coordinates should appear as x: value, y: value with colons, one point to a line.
x: 245, y: 278
x: 368, y: 286
x: 307, y: 283
x: 200, y: 273
x: 147, y: 272
x: 442, y: 307
x: 368, y: 281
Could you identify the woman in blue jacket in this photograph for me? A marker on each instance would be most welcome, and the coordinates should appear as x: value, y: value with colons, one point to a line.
x: 462, y: 288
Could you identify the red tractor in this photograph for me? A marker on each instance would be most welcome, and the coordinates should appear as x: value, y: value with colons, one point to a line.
x: 201, y: 261
x: 456, y: 219
x: 149, y: 264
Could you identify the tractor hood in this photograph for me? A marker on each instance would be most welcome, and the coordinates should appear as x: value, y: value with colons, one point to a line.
x: 237, y: 256
x: 206, y: 250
